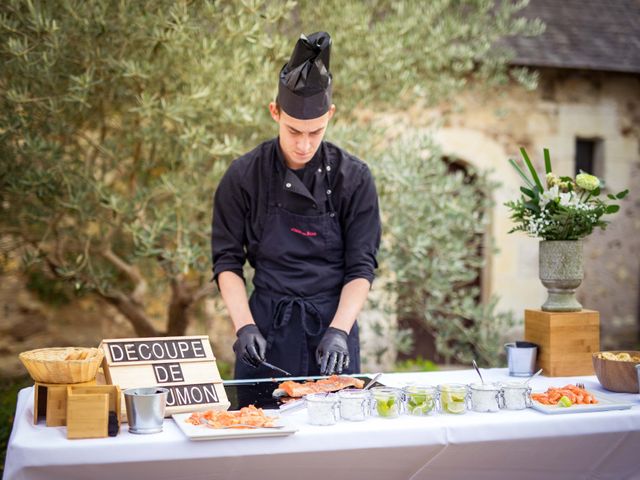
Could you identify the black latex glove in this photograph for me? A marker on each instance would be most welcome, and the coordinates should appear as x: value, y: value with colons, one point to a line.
x: 250, y: 346
x: 332, y: 354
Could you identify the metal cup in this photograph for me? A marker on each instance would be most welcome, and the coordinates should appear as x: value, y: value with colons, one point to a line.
x: 638, y: 371
x: 521, y: 358
x: 145, y: 409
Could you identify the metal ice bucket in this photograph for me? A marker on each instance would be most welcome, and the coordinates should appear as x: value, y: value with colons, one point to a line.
x: 145, y: 409
x: 521, y: 358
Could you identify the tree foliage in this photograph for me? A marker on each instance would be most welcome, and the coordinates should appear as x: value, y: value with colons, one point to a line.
x: 397, y: 52
x: 117, y: 119
x: 434, y: 226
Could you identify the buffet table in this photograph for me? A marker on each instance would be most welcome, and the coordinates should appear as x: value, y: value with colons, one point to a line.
x: 522, y: 444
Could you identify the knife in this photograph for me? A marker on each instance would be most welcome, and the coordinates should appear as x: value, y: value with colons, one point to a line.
x: 273, y: 367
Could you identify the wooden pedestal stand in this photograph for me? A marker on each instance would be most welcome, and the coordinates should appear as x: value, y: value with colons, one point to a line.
x: 566, y: 340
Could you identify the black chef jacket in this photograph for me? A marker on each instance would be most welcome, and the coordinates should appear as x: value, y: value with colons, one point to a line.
x: 240, y: 205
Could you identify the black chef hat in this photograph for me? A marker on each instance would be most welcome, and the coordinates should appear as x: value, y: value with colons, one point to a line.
x: 304, y: 89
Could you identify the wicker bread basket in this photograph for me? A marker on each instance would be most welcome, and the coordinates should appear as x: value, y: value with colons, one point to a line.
x: 62, y: 365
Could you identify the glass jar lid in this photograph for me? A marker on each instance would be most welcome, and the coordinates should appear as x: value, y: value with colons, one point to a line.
x: 321, y: 398
x: 416, y: 388
x: 485, y: 387
x: 452, y: 387
x: 384, y: 392
x: 355, y: 393
x: 515, y: 385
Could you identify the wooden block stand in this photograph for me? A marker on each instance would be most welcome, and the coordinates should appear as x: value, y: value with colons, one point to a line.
x: 566, y: 340
x: 88, y: 410
x: 50, y: 401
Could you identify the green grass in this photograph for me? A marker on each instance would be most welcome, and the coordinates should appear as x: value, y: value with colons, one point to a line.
x: 417, y: 364
x: 225, y: 369
x: 8, y: 396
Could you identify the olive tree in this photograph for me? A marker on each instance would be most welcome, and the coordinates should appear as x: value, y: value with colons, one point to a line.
x: 434, y: 226
x: 117, y: 120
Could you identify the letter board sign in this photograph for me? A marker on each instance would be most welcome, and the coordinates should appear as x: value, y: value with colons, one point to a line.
x: 185, y: 366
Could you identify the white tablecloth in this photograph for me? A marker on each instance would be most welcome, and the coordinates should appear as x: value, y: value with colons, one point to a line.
x: 508, y: 444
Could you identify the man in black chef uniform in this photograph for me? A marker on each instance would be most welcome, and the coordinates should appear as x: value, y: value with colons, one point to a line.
x: 305, y: 214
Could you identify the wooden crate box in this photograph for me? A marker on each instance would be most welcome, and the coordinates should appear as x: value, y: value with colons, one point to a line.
x: 566, y: 340
x: 50, y: 402
x: 88, y: 410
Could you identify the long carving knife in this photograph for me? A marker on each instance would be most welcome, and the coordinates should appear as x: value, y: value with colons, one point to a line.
x: 277, y: 369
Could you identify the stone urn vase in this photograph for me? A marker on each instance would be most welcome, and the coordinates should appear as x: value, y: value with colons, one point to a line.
x: 561, y: 273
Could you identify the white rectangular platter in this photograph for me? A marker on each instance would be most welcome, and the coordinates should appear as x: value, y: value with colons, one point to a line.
x: 604, y: 403
x: 201, y: 432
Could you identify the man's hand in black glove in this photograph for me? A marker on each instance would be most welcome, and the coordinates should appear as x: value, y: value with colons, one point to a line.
x: 250, y: 346
x: 332, y: 354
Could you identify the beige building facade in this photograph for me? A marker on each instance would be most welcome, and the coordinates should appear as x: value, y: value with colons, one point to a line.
x: 586, y: 111
x: 569, y: 107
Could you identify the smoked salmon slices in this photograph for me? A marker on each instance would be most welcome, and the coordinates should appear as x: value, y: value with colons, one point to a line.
x: 247, y: 417
x: 325, y: 385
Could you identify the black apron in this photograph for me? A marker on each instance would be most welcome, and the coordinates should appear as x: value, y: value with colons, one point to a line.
x: 299, y: 272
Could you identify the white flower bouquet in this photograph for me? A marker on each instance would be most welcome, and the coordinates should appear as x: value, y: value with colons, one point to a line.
x: 563, y: 208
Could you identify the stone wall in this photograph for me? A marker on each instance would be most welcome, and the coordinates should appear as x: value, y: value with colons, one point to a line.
x: 487, y: 128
